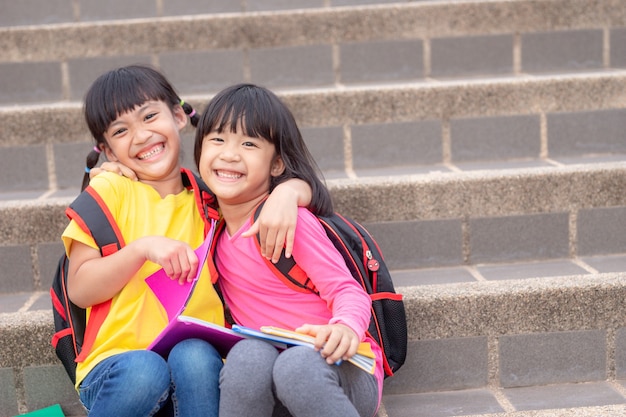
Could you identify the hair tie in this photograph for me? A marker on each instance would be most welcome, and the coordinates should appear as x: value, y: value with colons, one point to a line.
x: 182, y: 102
x: 192, y: 113
x: 95, y: 148
x: 87, y: 169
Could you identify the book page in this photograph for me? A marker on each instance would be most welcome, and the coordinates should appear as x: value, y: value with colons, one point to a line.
x: 173, y: 295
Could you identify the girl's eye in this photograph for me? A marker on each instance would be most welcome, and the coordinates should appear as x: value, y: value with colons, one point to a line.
x: 150, y: 116
x: 118, y: 132
x: 215, y: 139
x: 249, y: 144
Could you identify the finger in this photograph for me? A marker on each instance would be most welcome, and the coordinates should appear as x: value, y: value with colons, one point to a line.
x: 167, y: 268
x: 183, y: 262
x: 94, y: 172
x: 307, y: 329
x: 175, y: 266
x: 252, y: 231
x: 273, y: 246
x: 193, y: 261
x: 111, y: 167
x: 291, y: 233
x: 278, y: 244
x: 330, y: 344
x: 128, y: 173
x: 263, y: 240
x: 321, y: 341
x: 354, y: 346
x: 341, y: 352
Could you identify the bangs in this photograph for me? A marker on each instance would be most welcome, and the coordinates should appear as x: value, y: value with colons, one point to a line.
x: 244, y: 108
x: 119, y: 92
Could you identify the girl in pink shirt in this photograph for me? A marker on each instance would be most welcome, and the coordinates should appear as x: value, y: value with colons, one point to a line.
x: 248, y: 142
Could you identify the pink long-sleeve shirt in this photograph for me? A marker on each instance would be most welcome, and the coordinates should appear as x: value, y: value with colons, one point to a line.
x: 257, y: 297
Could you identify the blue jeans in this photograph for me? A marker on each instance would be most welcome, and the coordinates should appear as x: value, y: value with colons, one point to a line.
x: 140, y: 383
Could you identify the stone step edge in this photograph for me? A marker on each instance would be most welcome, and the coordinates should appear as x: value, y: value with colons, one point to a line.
x: 401, y: 198
x: 596, y: 411
x: 303, y: 27
x: 610, y: 410
x: 63, y: 122
x: 490, y: 308
x: 481, y: 193
x: 534, y: 305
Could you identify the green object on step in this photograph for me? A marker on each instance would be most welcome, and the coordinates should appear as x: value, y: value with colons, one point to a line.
x: 52, y: 411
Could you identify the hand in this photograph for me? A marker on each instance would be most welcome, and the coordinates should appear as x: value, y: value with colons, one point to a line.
x: 178, y: 259
x: 276, y: 224
x: 334, y: 341
x: 114, y: 167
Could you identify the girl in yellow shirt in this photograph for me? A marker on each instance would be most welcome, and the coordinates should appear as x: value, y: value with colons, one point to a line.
x: 136, y: 117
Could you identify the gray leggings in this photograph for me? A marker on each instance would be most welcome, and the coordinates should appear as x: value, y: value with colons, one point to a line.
x: 258, y: 381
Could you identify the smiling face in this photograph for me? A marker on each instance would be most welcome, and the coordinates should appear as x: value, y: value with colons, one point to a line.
x: 147, y: 140
x: 238, y: 168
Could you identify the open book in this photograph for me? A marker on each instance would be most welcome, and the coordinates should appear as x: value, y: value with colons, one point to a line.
x: 174, y: 298
x: 185, y: 327
x: 363, y: 359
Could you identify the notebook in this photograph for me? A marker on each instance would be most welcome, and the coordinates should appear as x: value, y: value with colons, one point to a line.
x: 363, y: 359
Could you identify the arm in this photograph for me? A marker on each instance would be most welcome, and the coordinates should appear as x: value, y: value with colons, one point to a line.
x: 277, y: 221
x: 115, y: 167
x: 349, y: 304
x: 93, y: 279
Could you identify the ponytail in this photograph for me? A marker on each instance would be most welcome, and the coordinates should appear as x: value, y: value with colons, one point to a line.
x: 191, y: 112
x: 92, y: 160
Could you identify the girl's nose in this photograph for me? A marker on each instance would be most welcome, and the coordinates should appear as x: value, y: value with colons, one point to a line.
x: 143, y: 134
x: 229, y: 153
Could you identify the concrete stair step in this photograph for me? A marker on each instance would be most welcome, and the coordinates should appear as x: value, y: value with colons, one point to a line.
x: 601, y: 399
x: 303, y: 26
x: 435, y: 126
x: 420, y: 221
x: 500, y: 348
x: 412, y: 41
x: 495, y: 192
x: 500, y: 334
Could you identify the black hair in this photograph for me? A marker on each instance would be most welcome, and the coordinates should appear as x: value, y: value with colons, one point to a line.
x: 262, y: 114
x: 119, y: 91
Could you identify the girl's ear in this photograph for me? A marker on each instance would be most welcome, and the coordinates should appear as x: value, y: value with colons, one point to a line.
x: 109, y: 154
x: 179, y: 116
x: 278, y: 166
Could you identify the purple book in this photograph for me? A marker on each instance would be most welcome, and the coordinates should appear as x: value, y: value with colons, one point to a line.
x: 174, y: 296
x: 184, y: 327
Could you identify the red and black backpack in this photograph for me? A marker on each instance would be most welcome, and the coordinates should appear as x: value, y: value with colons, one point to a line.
x: 74, y: 336
x: 388, y: 326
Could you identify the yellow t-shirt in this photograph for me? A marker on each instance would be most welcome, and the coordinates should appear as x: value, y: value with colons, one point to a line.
x: 136, y: 317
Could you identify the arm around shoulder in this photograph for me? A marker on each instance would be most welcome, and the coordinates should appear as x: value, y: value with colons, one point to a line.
x: 276, y: 224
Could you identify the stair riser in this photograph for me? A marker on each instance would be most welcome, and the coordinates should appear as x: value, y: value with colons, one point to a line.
x: 461, y: 337
x: 319, y: 47
x: 449, y: 220
x: 432, y: 127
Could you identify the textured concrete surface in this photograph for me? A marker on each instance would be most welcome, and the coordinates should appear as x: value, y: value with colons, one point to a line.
x: 499, y: 139
x: 63, y: 41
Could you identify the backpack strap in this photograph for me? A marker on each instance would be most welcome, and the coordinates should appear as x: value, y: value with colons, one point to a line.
x: 94, y: 217
x: 205, y: 199
x: 286, y: 268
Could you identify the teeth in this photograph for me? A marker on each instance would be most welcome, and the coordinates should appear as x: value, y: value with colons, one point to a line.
x: 154, y: 151
x: 229, y: 175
